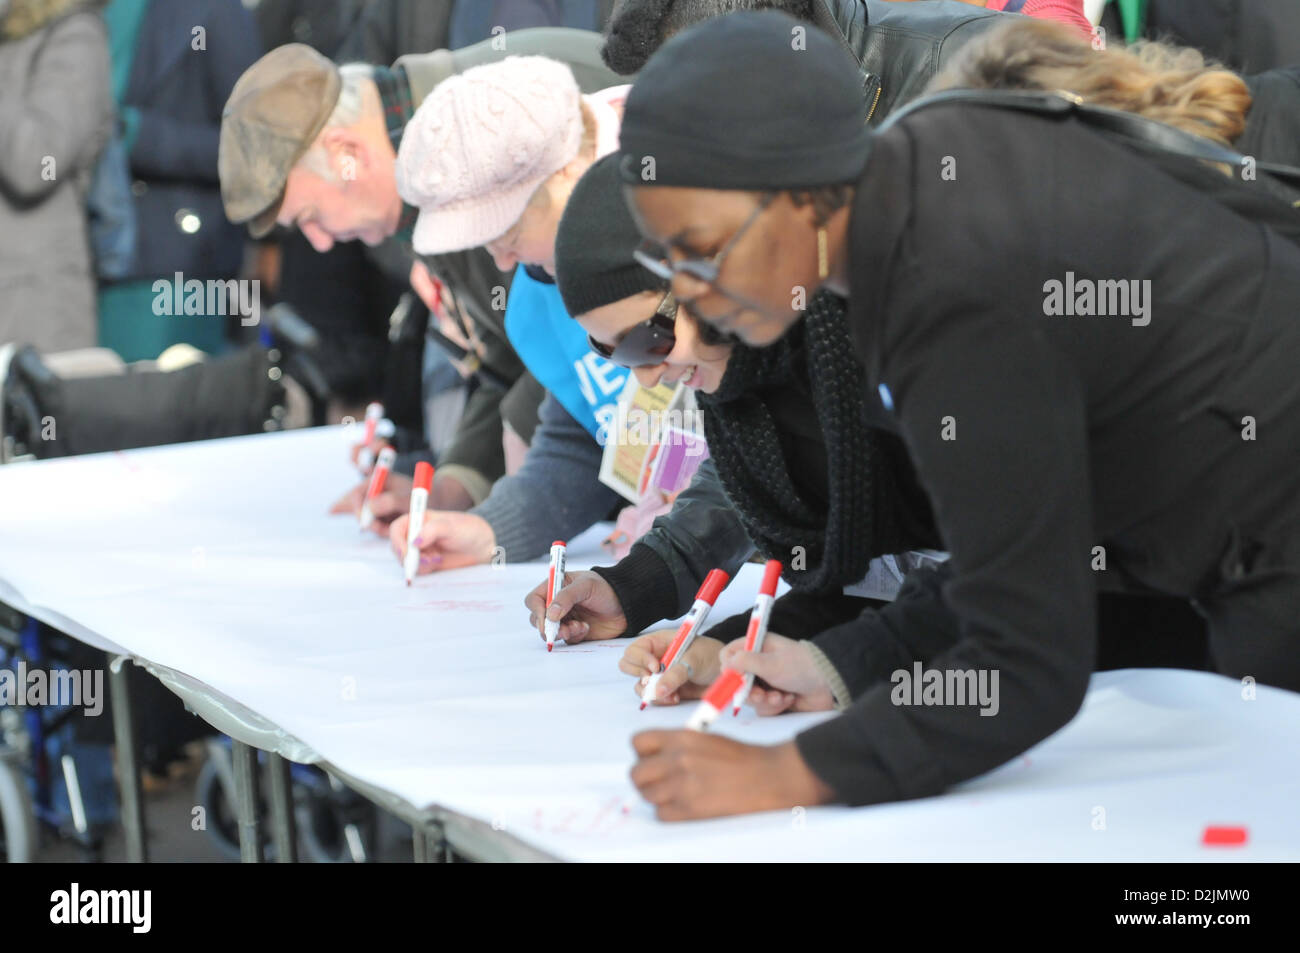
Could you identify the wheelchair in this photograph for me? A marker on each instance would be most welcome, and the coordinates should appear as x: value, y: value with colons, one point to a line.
x: 90, y: 401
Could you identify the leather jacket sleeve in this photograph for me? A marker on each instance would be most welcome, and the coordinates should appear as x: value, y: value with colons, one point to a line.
x: 658, y: 579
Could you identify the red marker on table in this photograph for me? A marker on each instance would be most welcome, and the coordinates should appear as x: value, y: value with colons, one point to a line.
x: 758, y: 617
x: 554, y: 582
x: 713, y: 585
x: 1218, y: 836
x: 720, y: 693
x: 374, y: 413
x: 378, y: 477
x: 419, y: 501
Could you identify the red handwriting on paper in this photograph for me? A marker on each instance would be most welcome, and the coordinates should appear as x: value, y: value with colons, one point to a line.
x: 458, y: 605
x: 612, y: 814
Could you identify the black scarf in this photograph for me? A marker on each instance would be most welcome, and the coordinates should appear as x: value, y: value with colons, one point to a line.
x: 868, y: 513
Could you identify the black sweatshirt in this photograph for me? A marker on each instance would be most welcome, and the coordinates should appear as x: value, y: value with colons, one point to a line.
x: 1067, y: 432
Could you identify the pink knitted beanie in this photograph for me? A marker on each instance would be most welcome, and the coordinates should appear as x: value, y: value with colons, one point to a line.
x: 479, y: 146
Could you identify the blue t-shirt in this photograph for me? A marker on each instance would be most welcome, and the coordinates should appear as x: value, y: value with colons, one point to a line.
x: 554, y: 348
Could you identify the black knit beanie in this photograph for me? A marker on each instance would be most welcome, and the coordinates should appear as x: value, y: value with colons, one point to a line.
x: 593, y: 247
x: 746, y: 101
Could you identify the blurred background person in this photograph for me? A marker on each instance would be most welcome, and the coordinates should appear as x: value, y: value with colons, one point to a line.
x: 55, y: 117
x: 1250, y: 36
x: 1069, y: 12
x: 174, y: 63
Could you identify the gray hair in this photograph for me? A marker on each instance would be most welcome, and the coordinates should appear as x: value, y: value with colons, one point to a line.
x: 348, y: 111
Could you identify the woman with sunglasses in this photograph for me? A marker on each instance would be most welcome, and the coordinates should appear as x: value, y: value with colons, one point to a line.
x: 794, y: 466
x: 1153, y: 445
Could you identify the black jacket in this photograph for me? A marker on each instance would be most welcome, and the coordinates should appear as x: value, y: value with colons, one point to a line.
x: 1273, y: 124
x: 1171, y: 441
x: 1246, y: 35
x: 900, y: 46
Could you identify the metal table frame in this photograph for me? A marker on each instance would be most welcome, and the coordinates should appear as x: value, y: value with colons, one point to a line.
x: 439, y: 833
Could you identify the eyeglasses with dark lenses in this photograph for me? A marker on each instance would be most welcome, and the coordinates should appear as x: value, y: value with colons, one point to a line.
x: 650, y: 342
x: 647, y: 343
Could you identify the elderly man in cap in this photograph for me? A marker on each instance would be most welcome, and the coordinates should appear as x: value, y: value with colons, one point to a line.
x: 309, y: 144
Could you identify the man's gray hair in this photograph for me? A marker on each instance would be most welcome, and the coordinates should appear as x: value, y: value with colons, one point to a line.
x: 348, y: 111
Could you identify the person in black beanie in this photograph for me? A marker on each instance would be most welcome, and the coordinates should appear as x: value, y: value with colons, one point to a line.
x: 794, y: 466
x: 898, y: 47
x: 1070, y: 439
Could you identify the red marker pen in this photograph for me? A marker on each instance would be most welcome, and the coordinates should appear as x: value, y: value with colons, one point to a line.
x: 554, y: 582
x: 722, y: 691
x: 419, y: 501
x: 713, y: 585
x: 757, y: 632
x: 374, y: 413
x: 378, y: 477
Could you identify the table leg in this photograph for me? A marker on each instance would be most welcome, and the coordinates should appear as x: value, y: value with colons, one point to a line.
x: 430, y: 843
x: 250, y: 834
x: 284, y: 830
x: 128, y: 764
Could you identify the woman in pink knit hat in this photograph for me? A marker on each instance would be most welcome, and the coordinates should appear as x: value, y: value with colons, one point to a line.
x: 490, y: 159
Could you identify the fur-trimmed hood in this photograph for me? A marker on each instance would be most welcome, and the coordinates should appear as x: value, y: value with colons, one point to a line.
x: 20, y: 18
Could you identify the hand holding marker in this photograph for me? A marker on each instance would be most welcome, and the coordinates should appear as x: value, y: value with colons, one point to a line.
x: 713, y: 585
x: 731, y: 687
x: 419, y: 501
x: 758, y: 619
x: 555, y: 582
x: 378, y: 477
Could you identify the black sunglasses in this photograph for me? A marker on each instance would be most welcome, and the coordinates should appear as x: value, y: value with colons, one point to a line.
x: 649, y: 342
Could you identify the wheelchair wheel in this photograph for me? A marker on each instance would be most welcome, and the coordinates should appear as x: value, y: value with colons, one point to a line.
x: 222, y: 825
x: 17, y: 819
x: 335, y: 826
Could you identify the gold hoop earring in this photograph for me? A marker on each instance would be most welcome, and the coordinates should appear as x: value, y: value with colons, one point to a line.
x: 823, y: 255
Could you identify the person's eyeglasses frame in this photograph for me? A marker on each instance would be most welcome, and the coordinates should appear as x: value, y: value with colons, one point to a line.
x: 706, y: 270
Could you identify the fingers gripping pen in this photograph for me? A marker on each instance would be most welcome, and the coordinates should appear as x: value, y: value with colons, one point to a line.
x: 758, y: 619
x: 712, y: 587
x: 378, y: 477
x: 419, y: 502
x: 554, y: 583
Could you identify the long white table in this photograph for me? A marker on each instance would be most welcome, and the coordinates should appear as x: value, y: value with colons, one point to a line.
x: 216, y: 564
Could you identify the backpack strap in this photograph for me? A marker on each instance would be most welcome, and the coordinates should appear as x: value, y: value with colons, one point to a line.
x: 1137, y: 130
